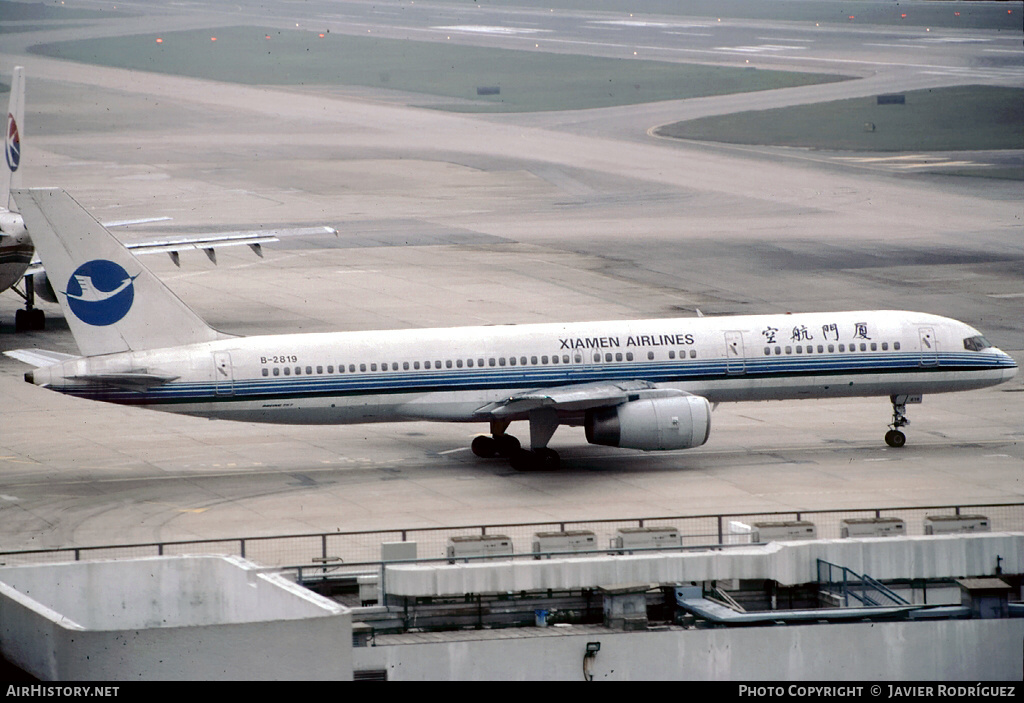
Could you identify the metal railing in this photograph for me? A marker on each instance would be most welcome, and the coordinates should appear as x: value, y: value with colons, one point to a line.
x: 844, y: 583
x: 308, y: 574
x: 341, y: 551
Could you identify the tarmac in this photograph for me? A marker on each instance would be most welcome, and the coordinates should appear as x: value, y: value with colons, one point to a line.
x: 450, y: 220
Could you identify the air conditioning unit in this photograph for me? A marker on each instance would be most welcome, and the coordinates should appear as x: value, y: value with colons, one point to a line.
x: 397, y: 551
x: 872, y: 527
x: 739, y: 533
x: 369, y: 589
x: 784, y: 531
x: 567, y: 541
x: 953, y: 524
x: 646, y: 537
x: 478, y: 546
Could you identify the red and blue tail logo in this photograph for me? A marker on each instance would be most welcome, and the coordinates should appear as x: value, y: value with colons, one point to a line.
x: 12, y: 144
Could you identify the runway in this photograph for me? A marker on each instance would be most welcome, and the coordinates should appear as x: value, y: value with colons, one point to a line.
x: 448, y: 219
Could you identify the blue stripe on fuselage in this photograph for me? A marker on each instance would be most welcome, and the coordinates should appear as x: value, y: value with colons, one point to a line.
x: 528, y: 377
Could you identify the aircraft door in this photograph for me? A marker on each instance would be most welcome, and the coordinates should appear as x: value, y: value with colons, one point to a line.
x: 735, y: 363
x: 929, y: 347
x: 223, y: 375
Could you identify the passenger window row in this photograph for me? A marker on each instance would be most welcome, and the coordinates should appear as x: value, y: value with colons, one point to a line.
x: 628, y: 356
x: 543, y: 360
x: 831, y: 348
x: 428, y: 364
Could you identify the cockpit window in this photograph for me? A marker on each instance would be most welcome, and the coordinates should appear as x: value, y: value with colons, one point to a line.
x: 976, y: 343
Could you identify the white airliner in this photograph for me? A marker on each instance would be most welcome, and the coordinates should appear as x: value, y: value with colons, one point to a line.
x: 15, y: 247
x: 17, y: 260
x: 646, y: 384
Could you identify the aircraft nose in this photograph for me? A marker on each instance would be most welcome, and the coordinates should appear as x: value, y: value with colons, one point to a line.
x: 1010, y: 370
x: 1009, y: 373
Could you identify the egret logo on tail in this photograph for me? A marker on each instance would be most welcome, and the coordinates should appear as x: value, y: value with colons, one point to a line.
x: 100, y: 292
x: 12, y: 144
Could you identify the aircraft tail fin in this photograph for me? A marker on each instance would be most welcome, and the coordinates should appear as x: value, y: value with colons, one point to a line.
x: 9, y: 175
x: 111, y: 301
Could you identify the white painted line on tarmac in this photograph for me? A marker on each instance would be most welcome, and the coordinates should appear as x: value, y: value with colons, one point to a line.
x: 483, y: 29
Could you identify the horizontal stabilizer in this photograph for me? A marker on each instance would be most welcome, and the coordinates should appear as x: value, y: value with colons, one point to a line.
x: 129, y: 380
x: 39, y: 357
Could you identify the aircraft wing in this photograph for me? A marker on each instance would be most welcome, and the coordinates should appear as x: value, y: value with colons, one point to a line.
x: 576, y: 397
x: 252, y: 238
x: 140, y: 221
x: 207, y: 242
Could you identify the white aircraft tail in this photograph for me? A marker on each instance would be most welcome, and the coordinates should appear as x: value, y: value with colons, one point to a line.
x: 10, y: 177
x: 111, y: 301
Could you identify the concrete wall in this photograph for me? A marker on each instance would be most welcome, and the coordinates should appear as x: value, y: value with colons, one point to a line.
x: 789, y: 563
x: 169, y: 618
x: 30, y: 633
x: 945, y: 651
x: 158, y: 592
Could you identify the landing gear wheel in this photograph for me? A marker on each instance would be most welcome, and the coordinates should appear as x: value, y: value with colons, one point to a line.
x: 547, y: 459
x: 507, y: 445
x: 895, y: 438
x: 29, y: 319
x: 484, y: 447
x: 523, y: 460
x: 542, y: 459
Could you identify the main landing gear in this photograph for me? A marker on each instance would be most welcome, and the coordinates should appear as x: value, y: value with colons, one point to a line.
x: 538, y: 458
x: 499, y: 444
x: 894, y: 437
x: 30, y: 318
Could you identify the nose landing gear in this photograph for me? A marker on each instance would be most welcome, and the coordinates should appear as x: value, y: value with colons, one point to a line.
x: 894, y: 437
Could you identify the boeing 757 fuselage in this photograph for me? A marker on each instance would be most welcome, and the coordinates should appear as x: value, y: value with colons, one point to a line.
x: 646, y: 384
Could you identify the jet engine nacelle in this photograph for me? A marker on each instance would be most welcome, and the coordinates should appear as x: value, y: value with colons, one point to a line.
x: 12, y: 225
x: 43, y: 289
x: 678, y: 422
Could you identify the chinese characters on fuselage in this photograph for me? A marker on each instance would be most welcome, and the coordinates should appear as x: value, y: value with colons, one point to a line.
x: 829, y: 332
